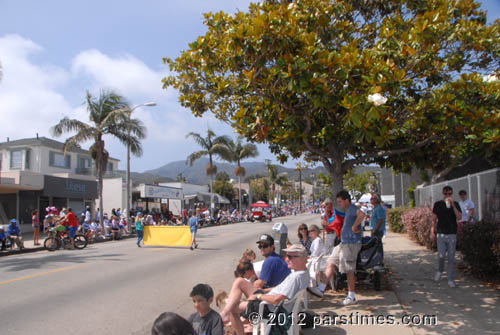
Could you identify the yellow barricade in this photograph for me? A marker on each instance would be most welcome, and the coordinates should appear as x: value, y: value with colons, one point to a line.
x: 170, y: 236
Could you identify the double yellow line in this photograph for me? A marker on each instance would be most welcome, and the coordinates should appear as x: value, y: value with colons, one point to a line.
x: 38, y: 274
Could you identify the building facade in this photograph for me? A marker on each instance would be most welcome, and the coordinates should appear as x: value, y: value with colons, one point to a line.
x: 36, y: 173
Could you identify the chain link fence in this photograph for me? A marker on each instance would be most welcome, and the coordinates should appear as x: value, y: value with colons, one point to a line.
x: 482, y: 188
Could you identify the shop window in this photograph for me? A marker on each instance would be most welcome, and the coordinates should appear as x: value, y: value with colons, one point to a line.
x: 57, y: 159
x: 16, y: 159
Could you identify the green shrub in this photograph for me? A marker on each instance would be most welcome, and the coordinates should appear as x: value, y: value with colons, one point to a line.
x: 480, y: 246
x: 394, y: 219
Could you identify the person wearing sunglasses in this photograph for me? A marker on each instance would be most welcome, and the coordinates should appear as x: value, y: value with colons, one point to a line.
x: 303, y: 235
x: 274, y: 269
x: 445, y: 215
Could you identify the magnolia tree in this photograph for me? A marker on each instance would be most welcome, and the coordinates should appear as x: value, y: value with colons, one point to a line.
x: 393, y: 82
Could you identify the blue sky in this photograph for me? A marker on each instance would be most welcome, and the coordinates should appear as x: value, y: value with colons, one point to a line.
x: 52, y: 51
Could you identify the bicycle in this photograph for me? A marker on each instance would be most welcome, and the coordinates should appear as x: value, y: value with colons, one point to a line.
x: 61, y: 238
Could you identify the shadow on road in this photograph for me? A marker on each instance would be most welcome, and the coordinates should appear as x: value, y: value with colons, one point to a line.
x: 68, y: 256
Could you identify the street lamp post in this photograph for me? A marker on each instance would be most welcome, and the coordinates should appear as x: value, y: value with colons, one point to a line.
x: 147, y: 104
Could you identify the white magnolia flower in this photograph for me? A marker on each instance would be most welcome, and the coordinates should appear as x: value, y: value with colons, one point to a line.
x: 377, y: 99
x: 490, y: 78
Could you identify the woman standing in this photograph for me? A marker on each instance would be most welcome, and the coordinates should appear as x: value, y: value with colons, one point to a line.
x: 139, y: 228
x: 35, y: 223
x: 304, y: 239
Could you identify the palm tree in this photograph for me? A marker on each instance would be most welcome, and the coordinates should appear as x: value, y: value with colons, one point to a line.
x: 108, y: 115
x: 235, y: 153
x: 211, y: 145
x: 275, y: 178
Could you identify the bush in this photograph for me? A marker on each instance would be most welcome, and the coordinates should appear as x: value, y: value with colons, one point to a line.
x: 394, y: 219
x: 480, y: 246
x: 418, y: 224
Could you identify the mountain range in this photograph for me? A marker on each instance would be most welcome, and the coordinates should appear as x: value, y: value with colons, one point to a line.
x: 196, y: 174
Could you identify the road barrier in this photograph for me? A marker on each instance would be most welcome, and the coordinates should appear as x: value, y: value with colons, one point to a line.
x: 169, y: 236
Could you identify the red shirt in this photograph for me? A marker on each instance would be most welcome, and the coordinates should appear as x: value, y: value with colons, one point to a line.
x: 72, y: 221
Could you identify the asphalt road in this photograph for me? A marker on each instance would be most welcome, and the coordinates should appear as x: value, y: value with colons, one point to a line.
x: 117, y: 288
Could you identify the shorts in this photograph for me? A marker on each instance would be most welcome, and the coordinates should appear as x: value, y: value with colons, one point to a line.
x: 193, y: 234
x: 72, y: 231
x: 344, y: 256
x: 253, y: 308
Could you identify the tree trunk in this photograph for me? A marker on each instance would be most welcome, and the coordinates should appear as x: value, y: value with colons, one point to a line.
x: 100, y: 152
x: 239, y: 193
x: 337, y: 183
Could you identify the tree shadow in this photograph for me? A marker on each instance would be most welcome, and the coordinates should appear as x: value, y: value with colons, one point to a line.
x: 469, y: 308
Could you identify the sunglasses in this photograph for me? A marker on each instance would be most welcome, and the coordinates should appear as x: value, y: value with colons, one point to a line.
x: 302, y: 228
x: 292, y: 256
x: 447, y: 193
x: 263, y: 246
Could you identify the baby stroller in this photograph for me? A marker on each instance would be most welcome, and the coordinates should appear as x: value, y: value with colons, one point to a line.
x: 369, y: 264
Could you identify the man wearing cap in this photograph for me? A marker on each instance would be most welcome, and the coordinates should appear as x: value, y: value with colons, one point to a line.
x: 293, y: 283
x: 345, y: 254
x: 14, y: 234
x: 274, y: 269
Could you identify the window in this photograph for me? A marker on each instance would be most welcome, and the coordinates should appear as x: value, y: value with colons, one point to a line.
x: 27, y: 154
x: 109, y: 168
x: 16, y: 159
x: 57, y: 159
x: 84, y: 163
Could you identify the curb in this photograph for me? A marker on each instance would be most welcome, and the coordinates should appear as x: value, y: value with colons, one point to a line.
x: 41, y: 248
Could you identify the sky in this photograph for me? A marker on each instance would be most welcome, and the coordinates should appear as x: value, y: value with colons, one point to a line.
x: 53, y: 51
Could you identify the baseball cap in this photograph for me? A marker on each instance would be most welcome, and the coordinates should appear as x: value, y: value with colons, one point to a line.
x: 13, y: 221
x: 266, y: 239
x: 297, y: 249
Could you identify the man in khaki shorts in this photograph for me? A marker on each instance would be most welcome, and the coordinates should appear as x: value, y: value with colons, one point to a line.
x: 345, y: 254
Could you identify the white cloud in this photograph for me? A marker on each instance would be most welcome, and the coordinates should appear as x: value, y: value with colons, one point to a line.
x: 28, y: 93
x: 34, y: 97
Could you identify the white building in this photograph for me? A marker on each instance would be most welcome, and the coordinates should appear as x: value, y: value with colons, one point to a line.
x: 35, y: 173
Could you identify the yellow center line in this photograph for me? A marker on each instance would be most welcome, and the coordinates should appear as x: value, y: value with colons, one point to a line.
x: 38, y: 274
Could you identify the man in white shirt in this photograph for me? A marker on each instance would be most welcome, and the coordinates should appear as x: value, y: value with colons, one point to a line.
x: 467, y: 207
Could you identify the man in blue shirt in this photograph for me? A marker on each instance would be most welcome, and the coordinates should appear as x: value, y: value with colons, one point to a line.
x: 193, y: 226
x: 377, y: 219
x: 14, y: 234
x: 274, y: 269
x: 345, y: 254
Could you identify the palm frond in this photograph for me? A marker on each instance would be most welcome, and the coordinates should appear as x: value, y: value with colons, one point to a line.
x: 67, y: 125
x: 195, y: 156
x: 199, y: 140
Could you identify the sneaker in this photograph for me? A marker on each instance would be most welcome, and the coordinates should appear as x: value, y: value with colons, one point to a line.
x: 315, y: 291
x: 191, y: 247
x: 451, y: 283
x: 196, y: 246
x: 437, y: 276
x: 349, y: 301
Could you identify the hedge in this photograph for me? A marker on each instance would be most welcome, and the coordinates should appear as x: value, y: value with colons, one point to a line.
x: 418, y: 224
x: 480, y: 246
x: 394, y: 219
x: 479, y: 242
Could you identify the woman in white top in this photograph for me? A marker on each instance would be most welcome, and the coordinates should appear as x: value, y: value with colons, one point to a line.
x: 317, y: 246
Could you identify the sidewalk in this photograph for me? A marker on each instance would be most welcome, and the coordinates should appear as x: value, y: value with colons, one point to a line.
x: 409, y: 289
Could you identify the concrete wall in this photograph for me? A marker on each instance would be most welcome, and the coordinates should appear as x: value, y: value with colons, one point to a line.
x: 113, y: 194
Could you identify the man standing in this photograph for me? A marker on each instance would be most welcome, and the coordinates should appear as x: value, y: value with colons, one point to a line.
x: 345, y: 254
x: 274, y: 269
x: 467, y: 207
x: 446, y: 213
x: 330, y: 232
x: 377, y: 219
x: 193, y: 226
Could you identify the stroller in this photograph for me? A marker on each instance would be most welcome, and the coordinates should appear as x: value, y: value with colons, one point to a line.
x: 369, y: 264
